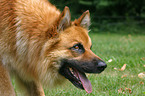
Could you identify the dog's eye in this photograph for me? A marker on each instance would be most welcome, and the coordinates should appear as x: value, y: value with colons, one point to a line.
x: 78, y: 48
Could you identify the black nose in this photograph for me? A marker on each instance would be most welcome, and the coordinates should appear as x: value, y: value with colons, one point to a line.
x: 101, y: 65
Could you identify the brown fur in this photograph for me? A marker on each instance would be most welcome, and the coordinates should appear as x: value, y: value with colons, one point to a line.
x: 32, y: 42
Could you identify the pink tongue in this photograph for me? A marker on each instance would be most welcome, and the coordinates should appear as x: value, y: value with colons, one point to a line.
x: 85, y: 82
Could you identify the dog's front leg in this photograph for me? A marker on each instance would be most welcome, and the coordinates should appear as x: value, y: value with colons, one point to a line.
x: 27, y: 88
x: 6, y: 88
x: 35, y: 89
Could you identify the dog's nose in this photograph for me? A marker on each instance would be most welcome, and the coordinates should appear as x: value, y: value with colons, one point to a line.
x: 101, y: 65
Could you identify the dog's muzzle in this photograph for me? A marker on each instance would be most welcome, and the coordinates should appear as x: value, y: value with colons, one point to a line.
x: 101, y: 65
x: 94, y: 66
x: 75, y: 70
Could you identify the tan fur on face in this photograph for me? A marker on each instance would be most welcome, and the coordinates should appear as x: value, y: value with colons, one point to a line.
x: 34, y: 37
x: 74, y: 35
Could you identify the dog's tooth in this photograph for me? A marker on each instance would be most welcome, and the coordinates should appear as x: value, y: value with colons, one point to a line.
x: 71, y: 70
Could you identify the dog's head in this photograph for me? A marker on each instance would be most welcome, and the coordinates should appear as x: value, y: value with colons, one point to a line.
x: 75, y: 47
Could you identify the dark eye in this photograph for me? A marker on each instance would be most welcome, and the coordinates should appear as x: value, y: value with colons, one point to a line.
x: 78, y: 48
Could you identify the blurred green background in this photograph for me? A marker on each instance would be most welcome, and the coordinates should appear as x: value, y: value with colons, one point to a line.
x: 111, y: 16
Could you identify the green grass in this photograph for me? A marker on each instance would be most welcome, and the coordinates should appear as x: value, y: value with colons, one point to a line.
x: 122, y: 49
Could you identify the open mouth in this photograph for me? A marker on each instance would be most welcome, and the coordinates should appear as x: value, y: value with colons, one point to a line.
x: 74, y: 71
x: 77, y: 78
x: 82, y: 80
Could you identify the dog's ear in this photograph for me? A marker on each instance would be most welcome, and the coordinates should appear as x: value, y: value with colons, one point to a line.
x: 64, y: 20
x: 84, y: 20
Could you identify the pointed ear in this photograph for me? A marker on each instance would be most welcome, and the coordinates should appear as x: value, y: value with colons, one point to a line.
x: 84, y: 20
x: 64, y: 19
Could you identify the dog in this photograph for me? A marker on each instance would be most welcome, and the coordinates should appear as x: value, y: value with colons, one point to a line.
x: 41, y: 47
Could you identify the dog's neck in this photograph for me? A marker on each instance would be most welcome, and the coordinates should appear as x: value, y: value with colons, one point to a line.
x: 38, y: 24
